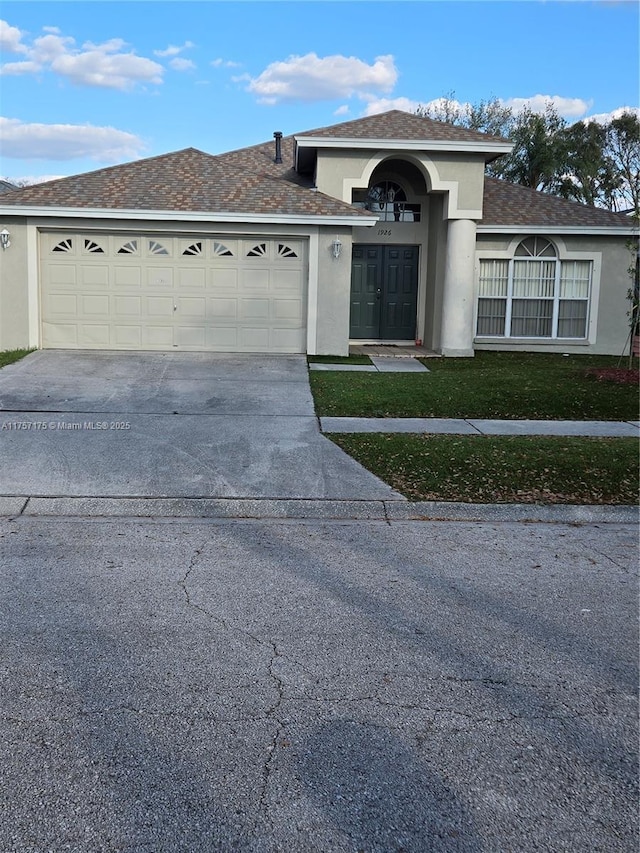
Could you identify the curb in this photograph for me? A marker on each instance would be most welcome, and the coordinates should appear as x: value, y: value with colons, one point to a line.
x: 321, y: 510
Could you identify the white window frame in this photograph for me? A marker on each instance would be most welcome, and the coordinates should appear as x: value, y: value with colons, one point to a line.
x: 562, y: 254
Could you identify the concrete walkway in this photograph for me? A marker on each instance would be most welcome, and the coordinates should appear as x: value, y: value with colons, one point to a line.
x: 479, y: 426
x: 379, y: 364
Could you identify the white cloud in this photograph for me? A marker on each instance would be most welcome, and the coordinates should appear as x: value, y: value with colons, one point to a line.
x: 312, y: 78
x: 11, y: 39
x: 342, y: 111
x: 33, y: 141
x: 565, y: 107
x: 180, y: 64
x: 225, y: 63
x: 382, y: 105
x: 100, y: 66
x: 26, y: 67
x: 174, y: 50
x: 105, y: 65
x: 605, y: 118
x: 30, y: 180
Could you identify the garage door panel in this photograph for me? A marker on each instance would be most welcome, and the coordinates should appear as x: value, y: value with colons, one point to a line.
x: 159, y: 306
x: 60, y: 305
x: 287, y: 340
x: 64, y: 274
x: 287, y: 309
x: 127, y: 337
x: 192, y: 306
x: 224, y: 280
x: 192, y: 278
x: 223, y: 309
x: 94, y: 304
x: 254, y: 309
x: 127, y: 306
x: 127, y: 277
x: 193, y: 337
x: 59, y: 334
x: 159, y: 280
x: 255, y: 280
x: 94, y: 335
x: 93, y: 276
x: 253, y: 339
x: 157, y: 336
x: 173, y: 292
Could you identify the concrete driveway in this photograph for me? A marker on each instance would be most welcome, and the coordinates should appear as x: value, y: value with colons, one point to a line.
x: 107, y: 424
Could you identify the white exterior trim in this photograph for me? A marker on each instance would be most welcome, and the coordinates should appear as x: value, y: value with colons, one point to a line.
x: 187, y: 216
x: 571, y: 230
x: 563, y: 255
x: 405, y: 144
x: 33, y: 285
x: 312, y: 292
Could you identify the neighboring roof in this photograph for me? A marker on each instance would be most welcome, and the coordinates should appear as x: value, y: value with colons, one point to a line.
x: 396, y: 124
x: 6, y: 187
x: 188, y: 181
x: 512, y: 205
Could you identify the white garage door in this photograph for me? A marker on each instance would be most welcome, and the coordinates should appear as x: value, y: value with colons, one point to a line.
x: 108, y: 291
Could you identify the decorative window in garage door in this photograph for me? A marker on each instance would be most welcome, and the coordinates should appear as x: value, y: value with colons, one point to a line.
x: 92, y: 246
x: 156, y: 248
x: 193, y: 249
x: 285, y: 251
x: 65, y: 245
x: 129, y: 248
x: 258, y: 251
x: 221, y: 251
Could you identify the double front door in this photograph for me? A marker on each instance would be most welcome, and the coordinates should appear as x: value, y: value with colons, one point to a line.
x: 384, y: 292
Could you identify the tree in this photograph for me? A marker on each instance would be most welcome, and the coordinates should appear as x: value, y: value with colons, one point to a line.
x: 486, y: 116
x: 623, y: 149
x: 589, y: 162
x: 537, y: 158
x: 588, y: 174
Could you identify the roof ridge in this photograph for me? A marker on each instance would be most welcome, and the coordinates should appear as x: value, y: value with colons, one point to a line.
x: 126, y: 164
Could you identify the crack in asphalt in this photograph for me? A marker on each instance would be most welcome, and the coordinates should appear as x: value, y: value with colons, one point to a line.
x: 269, y: 713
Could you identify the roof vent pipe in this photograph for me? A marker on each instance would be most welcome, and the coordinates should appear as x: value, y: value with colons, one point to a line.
x: 278, y: 138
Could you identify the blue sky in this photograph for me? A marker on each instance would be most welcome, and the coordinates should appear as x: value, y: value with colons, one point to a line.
x: 88, y: 84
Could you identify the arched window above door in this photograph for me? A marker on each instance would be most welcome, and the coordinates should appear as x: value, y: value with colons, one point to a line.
x: 388, y: 200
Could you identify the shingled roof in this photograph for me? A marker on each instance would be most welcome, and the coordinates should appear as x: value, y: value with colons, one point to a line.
x: 188, y: 181
x: 508, y: 204
x: 248, y: 181
x: 396, y: 124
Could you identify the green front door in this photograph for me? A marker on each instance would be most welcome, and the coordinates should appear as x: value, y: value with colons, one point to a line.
x: 384, y: 292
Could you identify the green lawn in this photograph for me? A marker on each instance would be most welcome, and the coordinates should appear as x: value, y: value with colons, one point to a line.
x: 9, y: 356
x: 491, y: 385
x: 493, y: 469
x: 497, y: 469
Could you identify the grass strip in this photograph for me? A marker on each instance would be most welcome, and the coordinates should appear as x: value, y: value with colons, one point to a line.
x: 9, y: 356
x: 501, y: 469
x: 491, y: 385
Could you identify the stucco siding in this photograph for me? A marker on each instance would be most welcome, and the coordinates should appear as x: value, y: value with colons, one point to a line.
x: 14, y: 287
x: 334, y: 293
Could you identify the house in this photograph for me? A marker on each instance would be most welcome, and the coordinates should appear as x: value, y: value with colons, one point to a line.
x: 379, y: 229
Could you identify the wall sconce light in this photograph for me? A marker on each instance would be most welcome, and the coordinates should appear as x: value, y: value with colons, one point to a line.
x: 5, y: 242
x: 336, y: 248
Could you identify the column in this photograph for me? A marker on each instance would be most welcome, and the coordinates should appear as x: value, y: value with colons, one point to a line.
x: 458, y: 302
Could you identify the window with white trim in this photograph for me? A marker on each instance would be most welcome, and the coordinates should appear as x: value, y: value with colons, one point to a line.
x: 535, y: 294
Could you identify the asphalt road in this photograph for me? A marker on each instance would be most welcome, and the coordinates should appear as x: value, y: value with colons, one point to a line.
x: 245, y: 685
